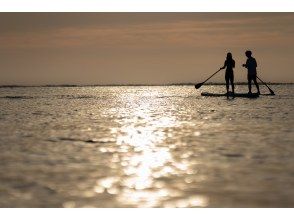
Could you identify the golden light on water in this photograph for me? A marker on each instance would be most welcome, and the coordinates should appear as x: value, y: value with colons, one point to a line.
x: 144, y: 146
x: 146, y: 160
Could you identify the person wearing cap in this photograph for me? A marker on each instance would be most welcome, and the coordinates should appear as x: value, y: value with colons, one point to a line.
x: 251, y: 66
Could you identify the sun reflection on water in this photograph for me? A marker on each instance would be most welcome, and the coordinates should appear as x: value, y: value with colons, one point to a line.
x: 145, y: 159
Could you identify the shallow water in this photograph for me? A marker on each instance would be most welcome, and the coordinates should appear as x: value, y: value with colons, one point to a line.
x: 157, y: 146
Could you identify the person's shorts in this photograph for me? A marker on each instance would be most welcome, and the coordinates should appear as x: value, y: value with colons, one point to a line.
x: 251, y: 77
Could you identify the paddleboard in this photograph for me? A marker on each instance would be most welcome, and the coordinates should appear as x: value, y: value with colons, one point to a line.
x: 243, y: 95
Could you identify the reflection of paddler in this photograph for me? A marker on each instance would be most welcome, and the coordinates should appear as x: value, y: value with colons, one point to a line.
x: 251, y: 65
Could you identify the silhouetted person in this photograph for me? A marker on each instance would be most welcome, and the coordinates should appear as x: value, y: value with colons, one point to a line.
x: 251, y: 67
x: 229, y: 64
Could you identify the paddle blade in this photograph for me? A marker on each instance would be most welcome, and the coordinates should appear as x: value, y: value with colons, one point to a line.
x: 197, y: 86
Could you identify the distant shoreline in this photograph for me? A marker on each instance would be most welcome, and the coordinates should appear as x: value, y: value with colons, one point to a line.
x: 97, y: 85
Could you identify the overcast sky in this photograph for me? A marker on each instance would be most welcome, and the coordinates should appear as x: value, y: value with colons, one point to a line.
x: 141, y: 48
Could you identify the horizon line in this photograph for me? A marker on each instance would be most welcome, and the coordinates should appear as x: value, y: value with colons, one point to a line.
x: 131, y: 84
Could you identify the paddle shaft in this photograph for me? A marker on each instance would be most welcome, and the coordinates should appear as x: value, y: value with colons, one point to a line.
x: 271, y: 91
x: 197, y: 86
x: 211, y: 76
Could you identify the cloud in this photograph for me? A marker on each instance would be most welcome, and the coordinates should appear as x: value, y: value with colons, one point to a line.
x: 140, y: 47
x: 198, y: 33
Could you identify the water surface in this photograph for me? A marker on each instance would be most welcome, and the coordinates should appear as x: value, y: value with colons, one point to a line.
x: 145, y: 146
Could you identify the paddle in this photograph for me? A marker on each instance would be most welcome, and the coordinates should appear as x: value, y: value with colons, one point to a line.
x: 271, y: 91
x: 197, y: 86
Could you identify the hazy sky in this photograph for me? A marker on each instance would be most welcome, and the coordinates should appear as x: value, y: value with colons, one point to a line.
x: 156, y: 48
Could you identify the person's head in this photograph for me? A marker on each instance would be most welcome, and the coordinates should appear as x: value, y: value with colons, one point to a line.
x: 248, y: 53
x: 229, y: 56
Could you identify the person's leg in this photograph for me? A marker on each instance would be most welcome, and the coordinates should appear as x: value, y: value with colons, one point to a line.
x: 249, y: 82
x: 227, y: 86
x: 256, y: 84
x: 232, y: 83
x: 227, y: 82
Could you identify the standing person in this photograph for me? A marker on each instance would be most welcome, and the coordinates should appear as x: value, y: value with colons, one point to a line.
x: 251, y: 67
x: 229, y: 64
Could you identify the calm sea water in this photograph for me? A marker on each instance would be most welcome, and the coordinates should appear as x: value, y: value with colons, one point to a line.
x: 162, y: 146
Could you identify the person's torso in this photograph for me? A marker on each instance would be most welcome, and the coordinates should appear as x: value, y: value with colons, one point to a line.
x: 251, y: 65
x: 230, y: 65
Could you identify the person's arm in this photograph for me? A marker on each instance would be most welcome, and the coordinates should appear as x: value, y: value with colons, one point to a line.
x: 245, y: 64
x: 225, y: 64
